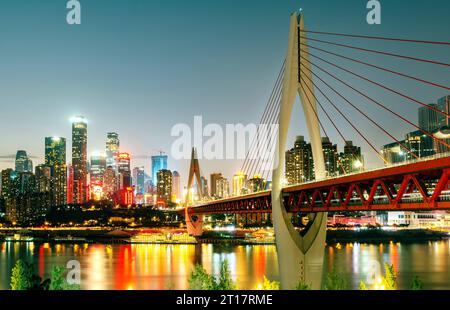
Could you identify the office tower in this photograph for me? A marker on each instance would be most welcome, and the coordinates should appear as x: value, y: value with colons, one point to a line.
x: 158, y: 163
x: 239, y: 181
x: 299, y: 162
x: 429, y: 119
x: 109, y: 183
x: 124, y: 169
x: 176, y: 189
x: 43, y: 178
x: 139, y: 180
x: 97, y: 167
x: 394, y: 153
x: 8, y: 175
x: 330, y: 155
x: 112, y: 149
x: 419, y: 144
x: 23, y: 163
x: 256, y: 184
x: 204, y: 186
x: 351, y: 160
x: 214, y: 177
x: 222, y: 188
x: 55, y: 158
x: 444, y: 106
x: 164, y: 185
x: 79, y: 159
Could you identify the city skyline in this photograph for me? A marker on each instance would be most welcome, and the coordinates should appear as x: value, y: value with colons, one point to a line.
x: 143, y: 109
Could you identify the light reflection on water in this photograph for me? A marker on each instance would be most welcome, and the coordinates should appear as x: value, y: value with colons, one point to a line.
x: 159, y: 267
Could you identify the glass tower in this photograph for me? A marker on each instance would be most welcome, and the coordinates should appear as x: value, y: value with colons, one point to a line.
x: 79, y: 158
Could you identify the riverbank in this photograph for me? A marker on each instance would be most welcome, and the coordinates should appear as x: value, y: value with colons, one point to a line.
x: 171, y: 236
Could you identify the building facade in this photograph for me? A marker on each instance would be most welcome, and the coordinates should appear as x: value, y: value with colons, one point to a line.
x: 79, y: 159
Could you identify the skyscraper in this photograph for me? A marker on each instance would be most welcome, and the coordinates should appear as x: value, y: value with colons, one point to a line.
x: 79, y: 158
x: 139, y: 180
x: 330, y: 155
x: 351, y: 159
x: 222, y: 188
x: 239, y: 181
x: 159, y: 162
x: 429, y: 119
x: 98, y: 167
x: 214, y: 178
x: 164, y: 185
x: 176, y: 189
x: 299, y: 162
x: 55, y: 158
x: 23, y: 163
x: 112, y: 149
x: 124, y: 169
x: 109, y: 183
x: 444, y: 106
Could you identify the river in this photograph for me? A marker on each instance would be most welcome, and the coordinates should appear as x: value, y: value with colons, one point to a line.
x: 160, y: 267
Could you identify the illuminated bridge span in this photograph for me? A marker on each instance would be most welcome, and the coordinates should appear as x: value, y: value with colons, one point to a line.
x: 419, y: 186
x: 330, y: 74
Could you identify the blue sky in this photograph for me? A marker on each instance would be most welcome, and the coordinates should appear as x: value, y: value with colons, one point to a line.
x: 139, y: 67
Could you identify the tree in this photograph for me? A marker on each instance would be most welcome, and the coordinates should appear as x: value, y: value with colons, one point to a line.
x: 416, y: 284
x: 390, y: 278
x: 335, y: 282
x: 302, y: 286
x: 225, y: 282
x: 201, y: 280
x: 270, y: 285
x: 23, y: 278
x: 58, y: 281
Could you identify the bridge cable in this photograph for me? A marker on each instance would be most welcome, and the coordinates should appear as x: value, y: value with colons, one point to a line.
x: 375, y: 102
x: 434, y: 62
x: 380, y: 85
x: 376, y: 38
x: 377, y: 67
x: 362, y: 113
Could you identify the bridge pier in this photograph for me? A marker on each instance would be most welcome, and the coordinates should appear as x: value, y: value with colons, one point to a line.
x: 300, y: 256
x: 194, y: 224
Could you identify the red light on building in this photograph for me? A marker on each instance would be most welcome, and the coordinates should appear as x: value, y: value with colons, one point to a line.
x: 126, y: 196
x: 124, y: 156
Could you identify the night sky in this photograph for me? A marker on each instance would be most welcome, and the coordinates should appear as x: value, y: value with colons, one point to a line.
x: 140, y: 67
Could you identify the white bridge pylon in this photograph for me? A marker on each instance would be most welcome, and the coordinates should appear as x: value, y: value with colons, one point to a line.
x: 300, y: 257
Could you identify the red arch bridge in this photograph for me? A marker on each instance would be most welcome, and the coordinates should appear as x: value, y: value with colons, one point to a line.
x: 421, y: 186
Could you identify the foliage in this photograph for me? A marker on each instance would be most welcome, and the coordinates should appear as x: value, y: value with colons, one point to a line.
x: 302, y: 286
x: 335, y: 282
x: 390, y: 278
x: 416, y: 284
x: 268, y: 285
x: 363, y: 286
x: 24, y: 278
x: 201, y: 280
x: 58, y: 281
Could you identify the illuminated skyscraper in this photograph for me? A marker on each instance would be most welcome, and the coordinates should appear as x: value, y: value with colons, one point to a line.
x: 124, y: 168
x: 214, y: 178
x: 299, y: 162
x: 98, y: 167
x: 55, y: 158
x: 139, y: 180
x: 164, y: 185
x: 79, y: 158
x: 109, y: 183
x: 222, y: 188
x: 239, y: 181
x: 112, y: 149
x: 176, y: 190
x: 429, y: 119
x: 330, y: 155
x: 158, y: 163
x: 351, y: 159
x: 23, y: 163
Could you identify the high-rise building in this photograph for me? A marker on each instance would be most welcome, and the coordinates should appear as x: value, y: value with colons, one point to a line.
x: 124, y: 169
x: 109, y: 183
x: 23, y: 163
x: 444, y: 106
x: 159, y: 162
x: 239, y: 181
x: 164, y: 185
x: 256, y: 184
x: 8, y: 175
x: 330, y: 154
x: 299, y: 162
x: 112, y: 149
x: 55, y: 158
x: 70, y: 184
x: 222, y: 188
x: 352, y: 160
x: 214, y: 178
x: 97, y: 167
x: 139, y: 180
x: 204, y: 186
x: 176, y: 189
x: 43, y: 179
x: 394, y: 153
x: 79, y: 159
x: 430, y: 119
